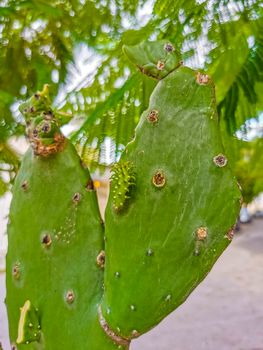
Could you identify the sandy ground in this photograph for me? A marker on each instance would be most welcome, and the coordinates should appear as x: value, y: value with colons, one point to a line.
x: 224, y: 313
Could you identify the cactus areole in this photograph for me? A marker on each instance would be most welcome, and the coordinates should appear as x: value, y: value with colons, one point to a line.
x: 71, y: 283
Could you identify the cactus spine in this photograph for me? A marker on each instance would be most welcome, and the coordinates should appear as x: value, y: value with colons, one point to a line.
x: 183, y: 205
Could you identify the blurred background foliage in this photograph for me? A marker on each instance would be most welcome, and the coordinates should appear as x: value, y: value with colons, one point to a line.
x: 75, y: 45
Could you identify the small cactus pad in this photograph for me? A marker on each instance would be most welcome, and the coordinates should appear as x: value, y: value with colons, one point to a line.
x: 185, y: 201
x: 155, y: 59
x: 54, y: 237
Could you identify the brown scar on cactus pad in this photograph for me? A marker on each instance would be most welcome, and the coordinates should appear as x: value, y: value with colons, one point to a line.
x: 152, y: 116
x: 158, y: 179
x: 24, y: 185
x: 220, y: 160
x: 70, y: 297
x: 230, y: 234
x: 16, y: 271
x: 201, y: 233
x: 101, y: 259
x: 202, y: 79
x: 110, y: 333
x: 40, y: 149
x: 76, y: 197
x: 160, y: 65
x: 46, y: 240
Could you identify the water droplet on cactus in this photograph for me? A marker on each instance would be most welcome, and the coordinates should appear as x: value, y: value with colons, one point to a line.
x: 117, y: 274
x: 70, y: 297
x: 159, y: 179
x: 197, y: 251
x: 30, y: 325
x: 168, y: 297
x: 149, y: 252
x: 132, y: 307
x: 220, y: 160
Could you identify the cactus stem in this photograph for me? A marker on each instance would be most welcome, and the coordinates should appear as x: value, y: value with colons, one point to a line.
x: 70, y: 297
x: 24, y: 185
x: 220, y: 160
x: 202, y: 79
x: 101, y: 259
x: 201, y: 233
x: 117, y: 339
x: 153, y: 116
x: 159, y: 179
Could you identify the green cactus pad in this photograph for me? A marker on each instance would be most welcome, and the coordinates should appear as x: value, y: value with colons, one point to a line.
x: 181, y: 214
x: 155, y: 59
x: 55, y: 236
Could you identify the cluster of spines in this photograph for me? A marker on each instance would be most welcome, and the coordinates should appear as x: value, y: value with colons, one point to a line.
x: 122, y: 180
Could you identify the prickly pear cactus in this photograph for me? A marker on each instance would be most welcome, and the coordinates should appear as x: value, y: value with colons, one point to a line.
x: 183, y: 204
x: 55, y: 252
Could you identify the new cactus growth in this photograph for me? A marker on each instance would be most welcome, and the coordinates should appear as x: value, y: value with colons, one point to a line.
x: 184, y: 202
x: 55, y: 236
x: 171, y: 211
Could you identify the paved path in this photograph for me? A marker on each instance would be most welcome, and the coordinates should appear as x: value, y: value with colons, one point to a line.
x: 224, y: 313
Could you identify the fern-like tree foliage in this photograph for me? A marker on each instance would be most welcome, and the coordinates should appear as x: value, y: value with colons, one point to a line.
x: 42, y: 41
